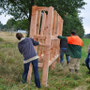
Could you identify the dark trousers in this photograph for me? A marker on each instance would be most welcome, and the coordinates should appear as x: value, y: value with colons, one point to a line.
x: 87, y: 61
x: 62, y: 52
x: 35, y: 70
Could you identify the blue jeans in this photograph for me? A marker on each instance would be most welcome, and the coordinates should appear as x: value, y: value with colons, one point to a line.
x: 35, y: 69
x: 87, y: 61
x: 62, y: 52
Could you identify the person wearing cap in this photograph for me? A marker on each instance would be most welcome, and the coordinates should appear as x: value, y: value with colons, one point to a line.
x: 26, y: 48
x: 75, y: 44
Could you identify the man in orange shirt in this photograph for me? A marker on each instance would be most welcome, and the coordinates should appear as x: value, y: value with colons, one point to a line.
x: 75, y: 44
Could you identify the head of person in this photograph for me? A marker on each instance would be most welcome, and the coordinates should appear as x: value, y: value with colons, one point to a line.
x: 73, y: 33
x: 19, y: 36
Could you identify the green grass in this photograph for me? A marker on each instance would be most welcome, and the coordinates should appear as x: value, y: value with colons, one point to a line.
x: 11, y: 69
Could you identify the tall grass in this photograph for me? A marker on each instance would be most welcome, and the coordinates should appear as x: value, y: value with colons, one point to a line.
x: 11, y: 69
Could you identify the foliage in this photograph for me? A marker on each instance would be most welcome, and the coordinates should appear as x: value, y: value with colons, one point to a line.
x: 72, y: 23
x: 17, y: 24
x: 1, y: 25
x: 21, y: 9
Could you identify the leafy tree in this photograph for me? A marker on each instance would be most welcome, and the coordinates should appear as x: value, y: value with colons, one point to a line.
x: 10, y: 23
x: 21, y: 9
x: 72, y: 23
x: 17, y: 24
x: 21, y: 24
x: 1, y: 25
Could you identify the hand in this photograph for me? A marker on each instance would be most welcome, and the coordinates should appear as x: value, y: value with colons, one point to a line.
x: 40, y: 43
x: 57, y: 36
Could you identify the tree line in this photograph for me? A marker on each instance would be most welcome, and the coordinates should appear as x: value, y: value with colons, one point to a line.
x: 21, y: 10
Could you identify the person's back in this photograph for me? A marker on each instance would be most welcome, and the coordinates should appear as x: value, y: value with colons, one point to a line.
x: 63, y: 44
x: 75, y: 44
x: 63, y: 50
x: 26, y: 48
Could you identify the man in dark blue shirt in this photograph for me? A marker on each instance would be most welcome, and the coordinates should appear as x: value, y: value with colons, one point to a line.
x: 63, y: 50
x: 26, y: 48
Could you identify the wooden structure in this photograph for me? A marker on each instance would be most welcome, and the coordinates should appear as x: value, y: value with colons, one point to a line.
x: 46, y: 25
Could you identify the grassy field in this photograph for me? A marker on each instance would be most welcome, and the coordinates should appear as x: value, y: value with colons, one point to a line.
x: 11, y: 69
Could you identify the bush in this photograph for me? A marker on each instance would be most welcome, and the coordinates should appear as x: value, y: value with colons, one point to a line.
x: 1, y: 39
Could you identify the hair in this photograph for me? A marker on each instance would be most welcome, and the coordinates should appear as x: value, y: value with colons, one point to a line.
x: 73, y: 33
x: 19, y: 36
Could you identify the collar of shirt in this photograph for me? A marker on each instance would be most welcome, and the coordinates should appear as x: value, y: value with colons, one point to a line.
x: 22, y: 39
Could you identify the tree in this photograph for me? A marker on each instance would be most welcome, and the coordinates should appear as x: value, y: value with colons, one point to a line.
x: 10, y: 23
x: 1, y: 25
x: 72, y: 23
x: 17, y: 24
x: 21, y: 9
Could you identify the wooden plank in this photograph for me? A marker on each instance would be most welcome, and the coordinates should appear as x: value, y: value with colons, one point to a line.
x: 53, y: 65
x: 42, y: 8
x: 43, y: 23
x: 40, y: 65
x: 38, y: 22
x: 33, y: 22
x: 54, y: 37
x: 54, y: 23
x: 45, y: 69
x: 56, y: 26
x: 29, y: 73
x: 60, y: 25
x: 49, y: 25
x: 48, y: 42
x: 40, y: 37
x: 53, y: 59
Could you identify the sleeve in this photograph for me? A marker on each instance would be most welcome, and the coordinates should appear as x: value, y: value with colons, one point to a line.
x: 35, y: 43
x: 62, y: 37
x: 19, y: 48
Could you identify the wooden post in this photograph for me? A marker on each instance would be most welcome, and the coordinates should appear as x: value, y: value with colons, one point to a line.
x: 38, y: 22
x: 32, y: 33
x: 33, y: 21
x: 43, y: 23
x: 48, y: 42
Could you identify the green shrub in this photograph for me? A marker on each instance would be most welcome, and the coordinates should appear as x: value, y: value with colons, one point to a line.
x: 1, y: 40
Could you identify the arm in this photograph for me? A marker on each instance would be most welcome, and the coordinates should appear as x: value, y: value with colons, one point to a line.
x: 19, y: 48
x: 35, y: 43
x: 62, y: 37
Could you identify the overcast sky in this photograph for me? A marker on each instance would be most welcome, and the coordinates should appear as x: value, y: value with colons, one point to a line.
x: 85, y: 13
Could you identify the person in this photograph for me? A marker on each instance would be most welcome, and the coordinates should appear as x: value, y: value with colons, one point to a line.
x: 63, y: 50
x: 87, y: 61
x: 75, y: 44
x: 26, y: 48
